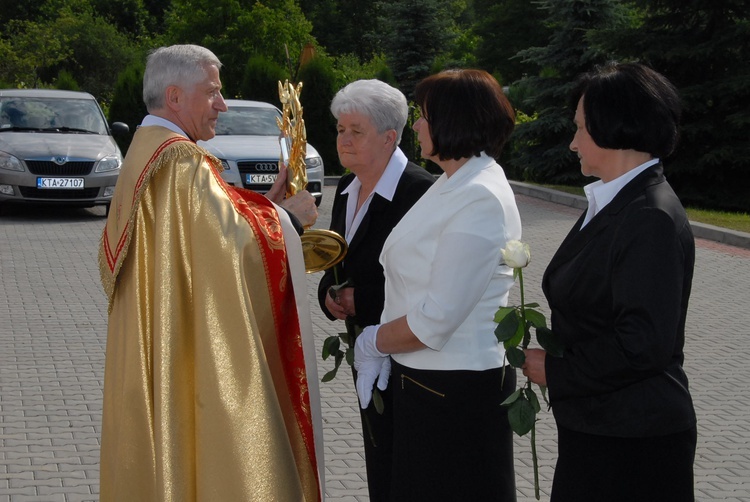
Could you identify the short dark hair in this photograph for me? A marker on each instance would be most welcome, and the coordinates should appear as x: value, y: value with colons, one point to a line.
x: 467, y: 112
x: 630, y: 106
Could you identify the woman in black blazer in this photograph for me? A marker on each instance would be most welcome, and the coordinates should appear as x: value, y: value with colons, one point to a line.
x: 618, y: 290
x: 369, y: 201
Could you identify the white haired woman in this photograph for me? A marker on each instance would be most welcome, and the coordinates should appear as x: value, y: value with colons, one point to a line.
x: 381, y: 187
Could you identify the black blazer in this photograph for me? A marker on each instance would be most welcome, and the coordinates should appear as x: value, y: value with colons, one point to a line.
x: 361, y: 263
x: 618, y: 291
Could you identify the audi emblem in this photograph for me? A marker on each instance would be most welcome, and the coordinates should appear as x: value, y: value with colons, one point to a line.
x: 266, y: 167
x: 59, y: 160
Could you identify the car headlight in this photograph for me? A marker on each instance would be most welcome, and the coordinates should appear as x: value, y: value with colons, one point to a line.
x: 111, y: 163
x: 9, y: 162
x: 225, y: 165
x: 313, y: 162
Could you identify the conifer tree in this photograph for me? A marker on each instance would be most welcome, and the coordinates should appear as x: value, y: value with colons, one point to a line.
x: 540, y: 147
x: 504, y: 29
x: 415, y: 33
x: 703, y: 47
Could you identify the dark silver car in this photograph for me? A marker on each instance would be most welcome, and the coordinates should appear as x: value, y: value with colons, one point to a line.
x: 56, y: 147
x: 247, y: 143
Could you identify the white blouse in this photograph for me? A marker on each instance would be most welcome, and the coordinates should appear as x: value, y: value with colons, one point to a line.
x: 443, y: 268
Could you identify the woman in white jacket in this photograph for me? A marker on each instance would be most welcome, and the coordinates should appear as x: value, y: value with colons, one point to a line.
x: 445, y: 279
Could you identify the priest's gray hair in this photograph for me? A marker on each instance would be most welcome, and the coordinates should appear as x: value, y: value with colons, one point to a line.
x: 181, y: 65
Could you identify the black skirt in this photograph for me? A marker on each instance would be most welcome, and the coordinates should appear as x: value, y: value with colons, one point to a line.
x: 452, y: 440
x: 601, y: 468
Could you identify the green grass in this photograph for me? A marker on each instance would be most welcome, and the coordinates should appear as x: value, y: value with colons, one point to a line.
x: 732, y: 221
x: 567, y: 189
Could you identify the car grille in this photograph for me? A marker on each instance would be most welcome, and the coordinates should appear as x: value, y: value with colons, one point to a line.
x: 48, y: 168
x: 253, y: 167
x: 257, y: 167
x: 53, y: 194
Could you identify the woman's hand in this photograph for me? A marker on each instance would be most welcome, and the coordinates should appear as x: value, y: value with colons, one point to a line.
x: 371, y: 364
x: 341, y: 304
x: 533, y: 368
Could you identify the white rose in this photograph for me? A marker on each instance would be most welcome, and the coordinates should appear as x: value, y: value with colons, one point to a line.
x: 516, y: 254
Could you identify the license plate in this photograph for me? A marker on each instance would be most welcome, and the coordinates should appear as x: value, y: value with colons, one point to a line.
x: 260, y: 178
x: 64, y: 183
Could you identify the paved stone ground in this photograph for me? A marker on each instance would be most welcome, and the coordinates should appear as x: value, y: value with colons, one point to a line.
x: 52, y: 339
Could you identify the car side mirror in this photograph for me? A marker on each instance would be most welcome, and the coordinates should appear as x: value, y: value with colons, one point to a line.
x: 119, y: 128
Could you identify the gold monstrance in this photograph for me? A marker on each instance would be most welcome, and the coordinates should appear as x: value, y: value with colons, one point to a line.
x: 321, y: 249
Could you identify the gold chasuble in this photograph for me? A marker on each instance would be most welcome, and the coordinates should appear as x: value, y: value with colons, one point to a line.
x: 205, y: 391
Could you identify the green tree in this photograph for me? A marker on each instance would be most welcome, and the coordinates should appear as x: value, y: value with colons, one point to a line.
x: 540, y: 147
x: 28, y: 10
x: 92, y: 64
x: 156, y: 13
x: 318, y: 88
x: 129, y: 16
x: 344, y: 26
x: 504, y: 29
x: 349, y: 68
x: 127, y: 102
x: 463, y: 41
x: 66, y: 40
x: 414, y: 34
x: 703, y: 47
x: 34, y: 47
x: 65, y: 81
x: 260, y: 80
x: 276, y: 29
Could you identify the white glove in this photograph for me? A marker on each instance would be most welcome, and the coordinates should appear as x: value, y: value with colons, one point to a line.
x: 371, y: 365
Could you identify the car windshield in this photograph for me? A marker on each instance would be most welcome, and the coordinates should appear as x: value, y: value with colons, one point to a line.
x: 51, y: 114
x: 248, y: 121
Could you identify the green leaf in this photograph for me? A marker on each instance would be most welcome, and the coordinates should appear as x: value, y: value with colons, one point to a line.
x: 543, y: 388
x: 549, y: 342
x: 330, y: 375
x: 531, y: 396
x: 530, y: 305
x: 517, y: 337
x: 502, y: 312
x: 345, y: 337
x: 512, y: 398
x: 536, y: 318
x: 350, y: 357
x: 507, y: 328
x: 521, y: 416
x: 515, y: 356
x: 330, y: 346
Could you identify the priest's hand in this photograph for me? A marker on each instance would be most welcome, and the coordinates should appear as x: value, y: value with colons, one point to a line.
x: 302, y: 205
x: 277, y: 192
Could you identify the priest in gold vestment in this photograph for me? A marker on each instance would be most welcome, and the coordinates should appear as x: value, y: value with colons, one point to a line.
x: 210, y: 386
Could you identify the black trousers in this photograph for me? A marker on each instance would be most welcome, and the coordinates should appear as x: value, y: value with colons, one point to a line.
x: 452, y: 440
x: 610, y: 469
x: 377, y: 432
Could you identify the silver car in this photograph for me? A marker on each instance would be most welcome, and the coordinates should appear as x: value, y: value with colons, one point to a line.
x: 247, y: 143
x: 56, y: 147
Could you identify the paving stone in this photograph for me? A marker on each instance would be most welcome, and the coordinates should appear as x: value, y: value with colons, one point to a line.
x: 53, y: 337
